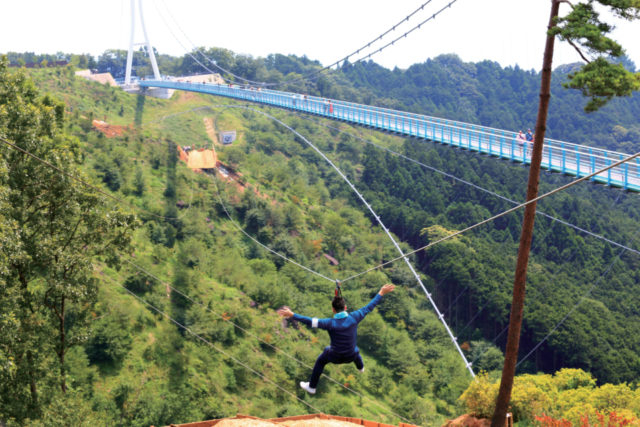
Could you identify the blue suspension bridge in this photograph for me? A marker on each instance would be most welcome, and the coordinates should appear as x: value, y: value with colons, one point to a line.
x: 558, y: 156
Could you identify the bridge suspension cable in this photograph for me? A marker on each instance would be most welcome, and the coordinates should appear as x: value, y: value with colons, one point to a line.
x: 198, y: 50
x: 248, y: 332
x: 312, y: 74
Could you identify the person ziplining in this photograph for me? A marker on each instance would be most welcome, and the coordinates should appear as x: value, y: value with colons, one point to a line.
x: 343, y: 331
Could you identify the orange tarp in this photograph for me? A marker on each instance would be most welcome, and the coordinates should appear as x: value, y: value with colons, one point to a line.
x: 201, y: 159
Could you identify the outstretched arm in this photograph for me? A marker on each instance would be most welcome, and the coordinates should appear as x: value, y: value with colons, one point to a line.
x: 360, y: 314
x: 314, y: 323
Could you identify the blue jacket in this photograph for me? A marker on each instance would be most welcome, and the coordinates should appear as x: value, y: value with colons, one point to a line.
x: 343, y: 328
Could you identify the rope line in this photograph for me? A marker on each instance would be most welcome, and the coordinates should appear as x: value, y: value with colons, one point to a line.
x: 246, y: 331
x: 477, y: 357
x: 508, y: 211
x: 471, y: 184
x: 218, y: 349
x: 425, y: 166
x: 83, y: 182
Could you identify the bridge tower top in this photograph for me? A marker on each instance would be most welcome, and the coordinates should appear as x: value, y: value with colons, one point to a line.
x: 147, y: 44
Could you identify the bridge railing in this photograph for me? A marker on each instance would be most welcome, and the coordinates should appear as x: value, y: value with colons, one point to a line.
x: 565, y: 157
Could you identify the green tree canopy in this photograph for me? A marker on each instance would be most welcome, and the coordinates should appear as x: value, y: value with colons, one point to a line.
x: 55, y: 227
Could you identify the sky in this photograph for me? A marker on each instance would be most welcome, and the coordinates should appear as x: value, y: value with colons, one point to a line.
x: 509, y: 32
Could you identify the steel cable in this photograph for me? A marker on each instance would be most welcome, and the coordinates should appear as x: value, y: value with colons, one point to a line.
x: 395, y: 243
x: 308, y: 76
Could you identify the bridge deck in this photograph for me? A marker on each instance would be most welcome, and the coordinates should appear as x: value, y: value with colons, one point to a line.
x: 558, y: 156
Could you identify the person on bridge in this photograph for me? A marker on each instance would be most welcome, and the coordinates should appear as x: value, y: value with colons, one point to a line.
x: 529, y: 135
x: 343, y: 331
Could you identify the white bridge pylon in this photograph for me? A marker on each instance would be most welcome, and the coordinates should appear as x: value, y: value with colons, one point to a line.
x: 147, y: 44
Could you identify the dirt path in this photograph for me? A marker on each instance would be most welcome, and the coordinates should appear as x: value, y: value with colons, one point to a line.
x: 211, y: 132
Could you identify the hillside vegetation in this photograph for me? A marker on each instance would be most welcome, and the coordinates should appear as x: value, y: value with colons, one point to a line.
x: 133, y: 366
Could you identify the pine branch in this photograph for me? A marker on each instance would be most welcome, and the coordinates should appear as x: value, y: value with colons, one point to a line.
x: 578, y: 50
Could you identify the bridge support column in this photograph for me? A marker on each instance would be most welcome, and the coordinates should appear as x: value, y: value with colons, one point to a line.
x: 147, y: 44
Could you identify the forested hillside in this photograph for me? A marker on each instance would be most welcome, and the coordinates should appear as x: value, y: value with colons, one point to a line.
x: 130, y: 365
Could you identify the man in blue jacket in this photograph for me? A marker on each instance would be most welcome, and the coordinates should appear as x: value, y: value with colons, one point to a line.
x: 343, y: 331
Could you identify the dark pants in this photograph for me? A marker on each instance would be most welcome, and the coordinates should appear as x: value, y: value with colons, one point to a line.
x: 328, y: 356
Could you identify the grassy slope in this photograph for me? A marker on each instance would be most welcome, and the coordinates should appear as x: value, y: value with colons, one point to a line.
x: 167, y: 377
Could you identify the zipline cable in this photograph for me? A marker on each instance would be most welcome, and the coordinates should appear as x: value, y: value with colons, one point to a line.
x: 83, y: 182
x: 495, y: 339
x: 246, y: 331
x: 536, y: 289
x: 471, y: 184
x: 386, y: 230
x: 447, y: 237
x: 442, y: 173
x: 437, y: 171
x: 164, y: 314
x: 216, y: 348
x: 552, y: 218
x: 440, y: 315
x: 508, y: 211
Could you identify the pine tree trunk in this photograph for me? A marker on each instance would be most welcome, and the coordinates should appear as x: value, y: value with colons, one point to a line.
x: 519, y: 284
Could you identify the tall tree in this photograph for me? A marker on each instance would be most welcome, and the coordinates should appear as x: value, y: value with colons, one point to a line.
x: 601, y: 79
x: 56, y: 227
